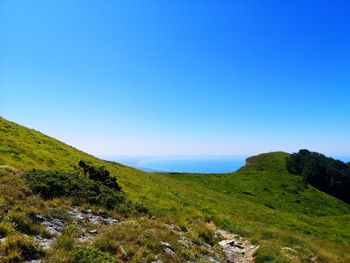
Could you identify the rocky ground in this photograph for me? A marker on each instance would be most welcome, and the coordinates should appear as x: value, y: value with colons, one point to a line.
x: 54, y: 226
x: 236, y: 249
x: 230, y: 247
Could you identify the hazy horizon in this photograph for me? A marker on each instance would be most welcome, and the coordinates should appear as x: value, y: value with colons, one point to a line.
x: 181, y: 78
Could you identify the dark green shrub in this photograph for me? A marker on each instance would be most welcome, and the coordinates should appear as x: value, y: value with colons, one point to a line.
x: 99, y: 174
x: 50, y: 184
x: 88, y: 255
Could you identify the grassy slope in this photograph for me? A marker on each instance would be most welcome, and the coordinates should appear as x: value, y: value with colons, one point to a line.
x: 261, y: 201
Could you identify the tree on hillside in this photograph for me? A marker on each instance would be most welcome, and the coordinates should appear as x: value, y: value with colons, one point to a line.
x: 327, y: 174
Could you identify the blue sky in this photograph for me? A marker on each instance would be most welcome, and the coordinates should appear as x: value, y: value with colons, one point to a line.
x: 179, y: 77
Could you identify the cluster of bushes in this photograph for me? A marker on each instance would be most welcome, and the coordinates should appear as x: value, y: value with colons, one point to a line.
x: 99, y: 174
x: 95, y: 187
x: 327, y: 174
x: 84, y: 254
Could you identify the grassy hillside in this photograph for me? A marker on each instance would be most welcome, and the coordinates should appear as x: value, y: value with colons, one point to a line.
x: 261, y: 201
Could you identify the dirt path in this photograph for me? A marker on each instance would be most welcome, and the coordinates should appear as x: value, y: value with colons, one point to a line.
x: 237, y: 250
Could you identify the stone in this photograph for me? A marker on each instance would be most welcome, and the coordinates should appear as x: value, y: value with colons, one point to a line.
x: 167, y: 248
x: 93, y: 219
x: 53, y: 225
x: 165, y: 244
x: 44, y: 243
x: 93, y: 231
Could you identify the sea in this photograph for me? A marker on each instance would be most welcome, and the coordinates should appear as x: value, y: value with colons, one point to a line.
x: 184, y: 164
x: 190, y: 164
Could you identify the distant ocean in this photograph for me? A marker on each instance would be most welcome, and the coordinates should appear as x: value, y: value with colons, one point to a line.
x: 190, y: 164
x: 225, y: 164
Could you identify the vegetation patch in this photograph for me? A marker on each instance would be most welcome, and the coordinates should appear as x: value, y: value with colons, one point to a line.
x: 22, y: 222
x: 85, y: 254
x: 328, y: 175
x: 318, y: 223
x: 50, y: 184
x: 19, y: 248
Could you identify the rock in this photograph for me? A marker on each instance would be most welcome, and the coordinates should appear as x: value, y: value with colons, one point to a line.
x: 165, y: 244
x: 44, y: 243
x: 93, y: 219
x: 157, y: 261
x: 93, y: 231
x: 227, y: 242
x: 53, y: 225
x: 236, y: 249
x: 76, y: 214
x: 167, y: 248
x: 110, y: 221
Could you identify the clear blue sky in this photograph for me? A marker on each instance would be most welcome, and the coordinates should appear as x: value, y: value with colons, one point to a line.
x: 179, y: 77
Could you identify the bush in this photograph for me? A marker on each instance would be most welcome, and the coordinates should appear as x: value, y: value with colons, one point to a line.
x: 88, y: 255
x: 99, y: 174
x: 50, y: 184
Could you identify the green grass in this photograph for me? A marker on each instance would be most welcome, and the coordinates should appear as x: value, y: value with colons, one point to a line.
x: 261, y: 201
